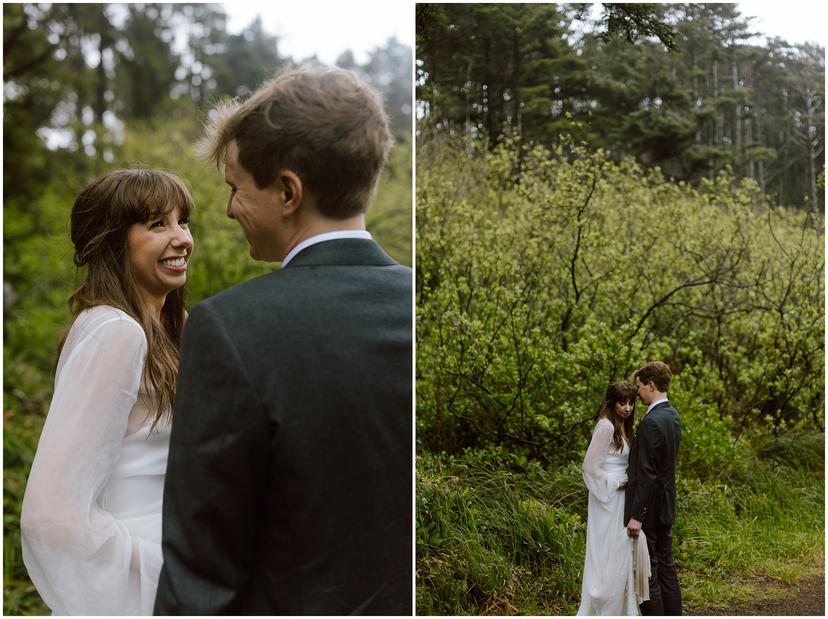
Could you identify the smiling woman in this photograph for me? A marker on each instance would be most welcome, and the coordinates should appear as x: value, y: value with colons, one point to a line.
x: 104, y: 215
x: 158, y: 252
x: 91, y: 516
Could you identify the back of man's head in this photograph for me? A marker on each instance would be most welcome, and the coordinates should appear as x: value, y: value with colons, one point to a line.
x: 326, y: 125
x: 656, y: 372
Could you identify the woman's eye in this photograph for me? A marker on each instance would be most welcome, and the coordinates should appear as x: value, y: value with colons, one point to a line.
x: 185, y: 221
x: 156, y: 224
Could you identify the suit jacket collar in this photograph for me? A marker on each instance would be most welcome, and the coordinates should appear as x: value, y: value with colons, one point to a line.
x: 342, y: 252
x: 662, y: 404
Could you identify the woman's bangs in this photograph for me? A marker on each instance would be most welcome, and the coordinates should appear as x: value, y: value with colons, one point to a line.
x: 165, y: 194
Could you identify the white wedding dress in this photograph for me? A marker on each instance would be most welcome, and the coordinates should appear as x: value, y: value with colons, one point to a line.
x: 608, y: 585
x: 91, y: 516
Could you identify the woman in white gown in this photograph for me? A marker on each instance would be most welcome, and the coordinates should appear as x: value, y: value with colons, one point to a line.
x: 91, y: 515
x: 611, y: 585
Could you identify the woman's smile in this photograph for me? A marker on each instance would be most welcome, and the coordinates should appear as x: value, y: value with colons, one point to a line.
x: 177, y: 264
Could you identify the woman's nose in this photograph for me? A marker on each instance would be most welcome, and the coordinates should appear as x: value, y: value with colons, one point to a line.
x: 183, y: 238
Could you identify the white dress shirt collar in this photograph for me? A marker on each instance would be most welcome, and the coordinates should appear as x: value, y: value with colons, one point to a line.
x: 327, y: 236
x: 652, y: 406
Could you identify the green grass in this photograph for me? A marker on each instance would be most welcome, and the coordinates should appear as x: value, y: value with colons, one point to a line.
x: 494, y: 537
x: 488, y: 541
x: 765, y: 521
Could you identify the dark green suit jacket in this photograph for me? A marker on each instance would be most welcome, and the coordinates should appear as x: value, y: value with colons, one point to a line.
x: 650, y: 496
x: 288, y: 486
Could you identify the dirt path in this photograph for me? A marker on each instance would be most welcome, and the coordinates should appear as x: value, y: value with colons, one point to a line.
x: 806, y: 597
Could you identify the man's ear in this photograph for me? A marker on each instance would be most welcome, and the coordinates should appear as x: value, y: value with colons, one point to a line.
x: 290, y: 190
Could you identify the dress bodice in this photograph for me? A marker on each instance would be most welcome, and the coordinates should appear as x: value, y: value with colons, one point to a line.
x: 604, y: 467
x: 617, y: 461
x: 135, y: 490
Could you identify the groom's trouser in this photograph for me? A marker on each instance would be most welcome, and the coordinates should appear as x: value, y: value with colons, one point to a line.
x: 665, y: 595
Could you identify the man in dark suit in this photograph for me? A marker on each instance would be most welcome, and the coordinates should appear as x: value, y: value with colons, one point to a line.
x: 650, y: 499
x: 289, y: 481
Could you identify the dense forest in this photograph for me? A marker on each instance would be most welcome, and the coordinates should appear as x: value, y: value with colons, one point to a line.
x: 92, y: 87
x: 590, y: 197
x: 693, y: 95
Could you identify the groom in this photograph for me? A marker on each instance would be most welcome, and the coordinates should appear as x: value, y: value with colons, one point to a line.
x: 289, y: 481
x: 650, y: 500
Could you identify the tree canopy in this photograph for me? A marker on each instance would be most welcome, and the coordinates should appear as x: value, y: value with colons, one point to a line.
x: 683, y: 87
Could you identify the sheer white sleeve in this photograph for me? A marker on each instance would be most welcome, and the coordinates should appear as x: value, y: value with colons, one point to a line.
x: 595, y: 478
x: 82, y: 560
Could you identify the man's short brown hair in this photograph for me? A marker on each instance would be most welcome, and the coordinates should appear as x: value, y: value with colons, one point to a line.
x: 656, y: 372
x: 326, y: 125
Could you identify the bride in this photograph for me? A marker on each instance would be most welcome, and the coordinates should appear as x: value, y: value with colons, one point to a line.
x: 91, y: 515
x: 616, y: 567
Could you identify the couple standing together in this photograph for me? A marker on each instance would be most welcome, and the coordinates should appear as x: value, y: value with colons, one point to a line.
x: 279, y: 448
x: 632, y: 501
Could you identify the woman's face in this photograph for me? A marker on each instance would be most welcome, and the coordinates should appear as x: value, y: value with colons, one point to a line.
x: 623, y: 409
x: 158, y: 252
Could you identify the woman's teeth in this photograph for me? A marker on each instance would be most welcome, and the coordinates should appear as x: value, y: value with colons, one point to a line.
x: 174, y: 262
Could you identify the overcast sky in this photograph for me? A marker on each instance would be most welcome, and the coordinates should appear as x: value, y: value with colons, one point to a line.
x: 328, y: 28
x: 798, y: 22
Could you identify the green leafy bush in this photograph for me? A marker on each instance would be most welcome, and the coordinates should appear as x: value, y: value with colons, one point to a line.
x: 543, y: 275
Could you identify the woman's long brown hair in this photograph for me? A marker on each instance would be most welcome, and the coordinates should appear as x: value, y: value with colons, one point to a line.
x: 622, y: 392
x: 101, y: 218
